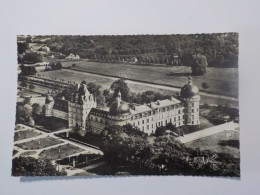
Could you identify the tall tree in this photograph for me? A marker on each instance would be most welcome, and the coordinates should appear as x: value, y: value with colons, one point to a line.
x: 121, y: 85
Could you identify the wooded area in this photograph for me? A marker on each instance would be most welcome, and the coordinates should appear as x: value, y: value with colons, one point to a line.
x: 221, y: 50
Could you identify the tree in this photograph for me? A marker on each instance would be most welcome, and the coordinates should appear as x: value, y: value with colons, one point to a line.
x: 22, y: 47
x: 31, y: 86
x: 36, y: 109
x: 121, y: 85
x: 84, y: 82
x: 160, y: 131
x: 58, y: 65
x: 28, y: 166
x: 27, y: 70
x: 23, y: 113
x: 197, y: 62
x: 23, y: 84
x: 32, y: 58
x: 205, y: 85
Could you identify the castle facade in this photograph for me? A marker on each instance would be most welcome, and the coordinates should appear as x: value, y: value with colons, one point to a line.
x: 80, y: 110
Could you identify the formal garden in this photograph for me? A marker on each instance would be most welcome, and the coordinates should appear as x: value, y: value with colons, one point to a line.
x: 40, y: 143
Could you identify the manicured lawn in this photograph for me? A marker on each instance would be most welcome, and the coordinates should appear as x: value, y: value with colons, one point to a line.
x: 60, y: 152
x: 214, y: 76
x: 39, y: 143
x: 226, y: 142
x: 25, y: 134
x: 28, y: 153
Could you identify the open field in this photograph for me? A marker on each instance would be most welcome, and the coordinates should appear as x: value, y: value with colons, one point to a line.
x: 225, y: 142
x: 215, y: 77
x: 25, y: 134
x: 60, y: 152
x: 39, y: 143
x: 106, y: 82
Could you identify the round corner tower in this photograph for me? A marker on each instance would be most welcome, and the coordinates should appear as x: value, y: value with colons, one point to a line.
x: 191, y: 99
x: 119, y: 112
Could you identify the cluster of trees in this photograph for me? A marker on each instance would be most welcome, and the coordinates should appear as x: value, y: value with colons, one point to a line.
x: 28, y: 166
x: 27, y: 70
x: 220, y: 50
x: 217, y: 112
x: 128, y: 147
x: 128, y: 96
x: 30, y: 58
x: 25, y: 111
x: 54, y: 66
x: 198, y: 63
x: 223, y: 110
x: 22, y: 47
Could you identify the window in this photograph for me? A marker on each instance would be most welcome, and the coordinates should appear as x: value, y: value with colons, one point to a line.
x: 192, y: 104
x: 96, y: 119
x: 133, y: 124
x: 147, y: 120
x: 101, y: 121
x: 192, y: 110
x: 152, y: 126
x: 91, y: 118
x: 179, y: 117
x: 143, y: 128
x: 174, y: 119
x: 106, y: 122
x: 138, y: 122
x: 170, y: 120
x: 179, y: 111
x: 147, y: 127
x: 143, y: 121
x: 192, y: 122
x: 165, y: 121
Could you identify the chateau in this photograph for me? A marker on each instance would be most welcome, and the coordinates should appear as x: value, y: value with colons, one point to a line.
x: 80, y: 110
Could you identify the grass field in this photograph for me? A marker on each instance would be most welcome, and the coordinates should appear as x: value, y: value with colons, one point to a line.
x: 25, y: 135
x: 221, y: 142
x: 106, y: 83
x: 215, y: 77
x: 39, y: 143
x: 60, y: 152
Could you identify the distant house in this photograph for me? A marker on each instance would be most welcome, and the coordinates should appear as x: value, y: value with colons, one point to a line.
x: 73, y: 57
x: 45, y: 49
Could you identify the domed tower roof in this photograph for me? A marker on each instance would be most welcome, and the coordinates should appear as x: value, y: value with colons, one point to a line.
x: 189, y: 90
x: 119, y: 108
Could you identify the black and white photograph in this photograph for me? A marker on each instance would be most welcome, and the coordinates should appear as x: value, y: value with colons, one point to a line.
x: 125, y: 105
